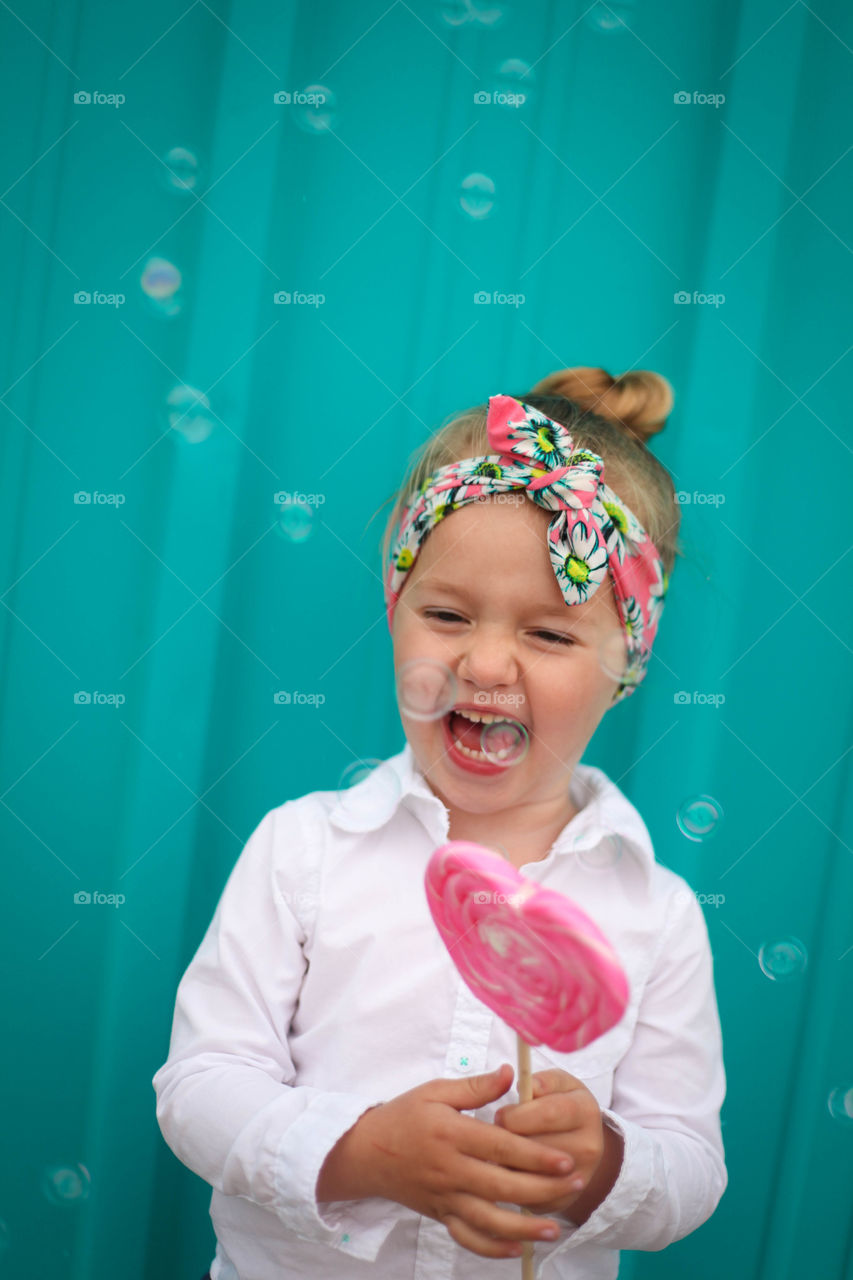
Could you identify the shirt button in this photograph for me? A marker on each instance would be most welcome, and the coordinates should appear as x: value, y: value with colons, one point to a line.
x: 464, y: 1064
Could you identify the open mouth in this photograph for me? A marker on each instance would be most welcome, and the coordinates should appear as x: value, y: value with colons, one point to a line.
x: 495, y: 743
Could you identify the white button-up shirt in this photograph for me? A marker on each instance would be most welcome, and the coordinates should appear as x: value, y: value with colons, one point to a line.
x: 322, y: 988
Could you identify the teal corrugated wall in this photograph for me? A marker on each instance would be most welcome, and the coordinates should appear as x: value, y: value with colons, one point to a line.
x: 146, y: 631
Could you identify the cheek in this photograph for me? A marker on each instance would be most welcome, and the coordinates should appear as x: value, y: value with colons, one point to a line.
x: 565, y: 697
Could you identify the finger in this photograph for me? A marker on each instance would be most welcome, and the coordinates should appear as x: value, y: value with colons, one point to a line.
x: 552, y: 1113
x: 554, y: 1080
x: 478, y: 1241
x: 489, y: 1220
x: 493, y: 1182
x: 486, y: 1142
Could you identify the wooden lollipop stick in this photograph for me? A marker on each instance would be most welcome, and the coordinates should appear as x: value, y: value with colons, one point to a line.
x: 530, y: 954
x: 525, y: 1094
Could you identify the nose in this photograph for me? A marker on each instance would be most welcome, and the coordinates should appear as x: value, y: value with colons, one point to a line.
x: 488, y: 658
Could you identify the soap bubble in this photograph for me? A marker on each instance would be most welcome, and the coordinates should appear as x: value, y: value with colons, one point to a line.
x: 613, y: 654
x: 504, y: 742
x: 784, y: 959
x: 489, y: 15
x: 604, y: 17
x: 315, y: 108
x: 458, y: 13
x: 699, y: 817
x: 426, y: 688
x: 66, y: 1184
x: 181, y: 173
x: 295, y: 521
x: 188, y: 411
x: 601, y: 856
x: 161, y: 283
x: 840, y: 1103
x: 160, y: 278
x: 514, y: 78
x: 355, y: 805
x: 477, y: 195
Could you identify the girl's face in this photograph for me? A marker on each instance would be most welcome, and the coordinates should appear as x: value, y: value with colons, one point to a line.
x: 483, y: 600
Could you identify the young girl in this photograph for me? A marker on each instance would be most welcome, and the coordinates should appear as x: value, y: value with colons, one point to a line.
x: 329, y: 1074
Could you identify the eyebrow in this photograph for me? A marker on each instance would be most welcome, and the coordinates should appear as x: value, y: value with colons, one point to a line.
x: 448, y: 588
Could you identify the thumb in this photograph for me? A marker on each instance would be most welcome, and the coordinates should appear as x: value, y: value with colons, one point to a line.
x: 473, y: 1091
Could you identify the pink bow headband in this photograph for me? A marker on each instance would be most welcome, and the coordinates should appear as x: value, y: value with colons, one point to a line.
x: 592, y: 532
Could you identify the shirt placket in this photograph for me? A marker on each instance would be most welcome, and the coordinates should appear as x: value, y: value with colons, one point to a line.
x: 467, y: 1047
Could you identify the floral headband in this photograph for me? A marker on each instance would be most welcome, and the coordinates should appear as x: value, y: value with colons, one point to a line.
x: 590, y: 534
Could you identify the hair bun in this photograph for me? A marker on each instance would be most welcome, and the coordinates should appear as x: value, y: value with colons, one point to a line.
x: 638, y: 400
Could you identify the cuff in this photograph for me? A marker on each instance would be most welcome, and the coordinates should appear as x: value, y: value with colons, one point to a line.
x: 356, y: 1227
x: 633, y: 1183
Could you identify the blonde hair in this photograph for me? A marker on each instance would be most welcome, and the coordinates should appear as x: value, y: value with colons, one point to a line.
x: 614, y: 417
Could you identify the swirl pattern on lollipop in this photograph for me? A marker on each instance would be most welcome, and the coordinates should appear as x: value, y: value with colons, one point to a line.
x: 529, y: 953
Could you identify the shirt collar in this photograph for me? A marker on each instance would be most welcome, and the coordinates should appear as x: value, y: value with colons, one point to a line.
x: 604, y: 810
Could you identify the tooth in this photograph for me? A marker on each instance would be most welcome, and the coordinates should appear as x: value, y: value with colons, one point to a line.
x: 481, y: 755
x: 485, y: 717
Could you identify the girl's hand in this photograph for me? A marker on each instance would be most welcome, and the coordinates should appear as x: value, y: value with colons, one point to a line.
x: 565, y: 1115
x: 418, y: 1150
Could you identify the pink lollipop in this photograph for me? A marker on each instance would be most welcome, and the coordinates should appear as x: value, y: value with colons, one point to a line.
x: 529, y: 953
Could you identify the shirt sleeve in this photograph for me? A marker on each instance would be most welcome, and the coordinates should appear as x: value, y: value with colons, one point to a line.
x: 227, y: 1104
x: 667, y: 1094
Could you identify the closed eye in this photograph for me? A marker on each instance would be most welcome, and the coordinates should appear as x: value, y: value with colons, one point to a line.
x: 551, y: 636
